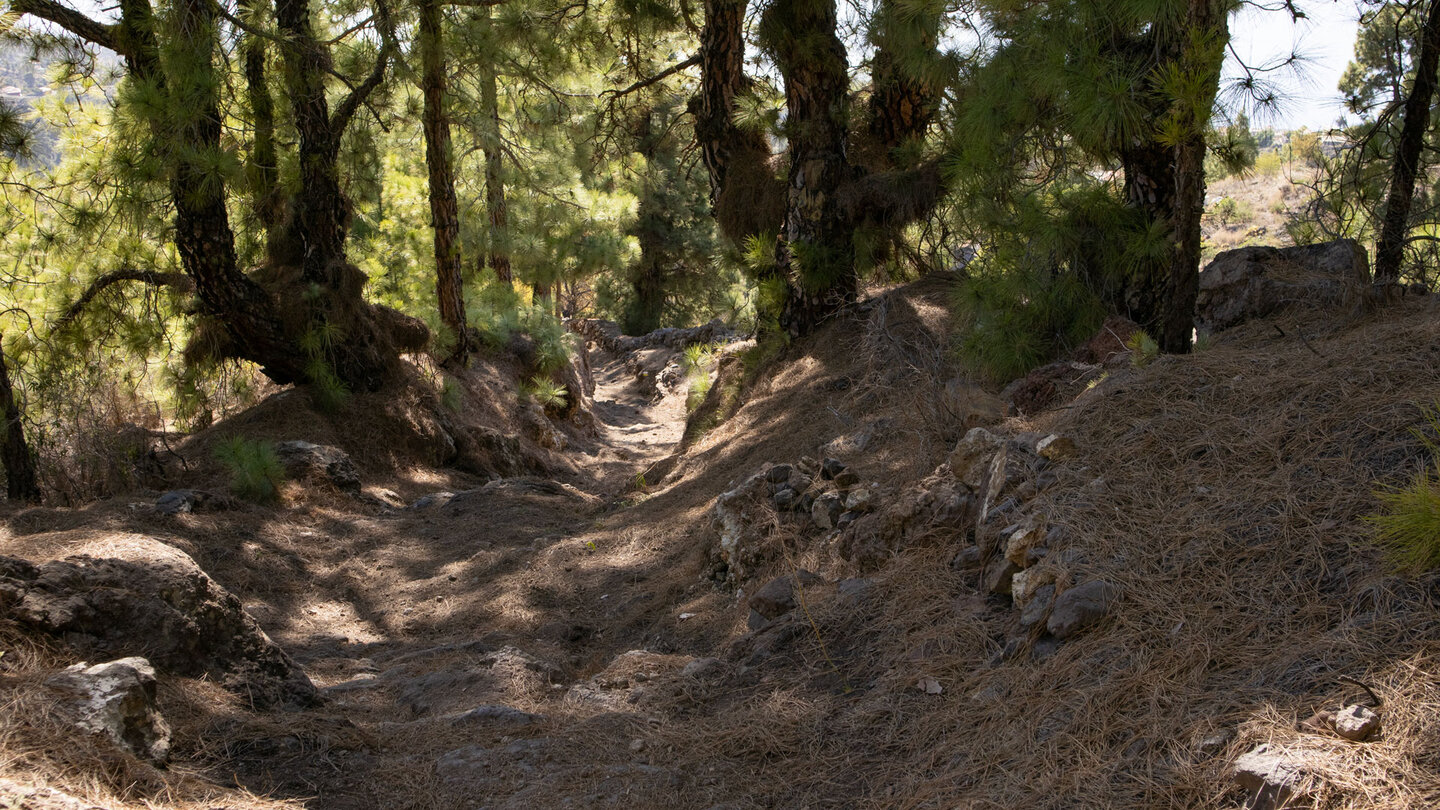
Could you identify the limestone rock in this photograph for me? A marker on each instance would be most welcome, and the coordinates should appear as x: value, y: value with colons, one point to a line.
x: 153, y: 599
x: 1252, y: 282
x: 1080, y: 607
x: 742, y: 521
x: 1271, y: 779
x: 999, y: 575
x: 1020, y: 539
x: 1357, y: 723
x: 319, y: 461
x: 1056, y: 448
x: 117, y: 699
x: 970, y: 460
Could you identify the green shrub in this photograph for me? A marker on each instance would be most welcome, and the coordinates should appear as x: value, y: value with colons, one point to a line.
x: 1408, y: 526
x: 550, y: 394
x: 1019, y: 320
x: 255, y: 470
x: 1269, y: 164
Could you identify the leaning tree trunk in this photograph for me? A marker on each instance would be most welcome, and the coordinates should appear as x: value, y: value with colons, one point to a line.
x: 21, y: 482
x: 491, y: 143
x: 815, y: 252
x: 444, y: 211
x: 202, y: 225
x: 902, y: 102
x: 1390, y: 247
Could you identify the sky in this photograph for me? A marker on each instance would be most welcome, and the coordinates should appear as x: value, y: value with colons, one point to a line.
x: 1326, y: 43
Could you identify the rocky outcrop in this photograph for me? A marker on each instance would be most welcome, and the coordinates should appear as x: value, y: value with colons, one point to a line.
x: 1252, y: 282
x: 116, y: 699
x: 319, y: 462
x: 153, y: 600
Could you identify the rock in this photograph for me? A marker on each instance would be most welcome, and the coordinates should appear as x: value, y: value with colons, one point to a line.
x: 1037, y: 609
x: 826, y: 510
x: 831, y: 467
x: 319, y: 461
x: 1212, y: 744
x: 1080, y: 607
x: 703, y: 668
x: 149, y: 598
x: 1270, y: 779
x: 1025, y: 584
x: 495, y: 715
x: 1056, y: 448
x: 777, y: 597
x: 970, y: 460
x: 967, y: 405
x: 1044, y: 649
x: 779, y: 474
x: 742, y: 521
x: 1009, y: 468
x: 1357, y: 723
x: 755, y: 621
x: 846, y: 479
x: 1252, y: 282
x: 434, y: 499
x: 968, y: 557
x: 786, y: 498
x: 999, y: 574
x: 117, y: 699
x: 176, y: 502
x: 862, y: 499
x: 1020, y: 539
x: 845, y: 519
x: 854, y: 591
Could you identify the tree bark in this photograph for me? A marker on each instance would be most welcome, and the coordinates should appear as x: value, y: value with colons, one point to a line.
x: 815, y: 253
x: 902, y: 104
x: 264, y: 172
x: 444, y: 211
x: 498, y: 253
x: 21, y: 481
x: 1389, y: 248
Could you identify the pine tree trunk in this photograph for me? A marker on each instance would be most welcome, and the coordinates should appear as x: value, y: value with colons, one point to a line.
x: 1389, y: 249
x: 202, y: 226
x: 444, y: 211
x: 320, y: 215
x: 21, y: 481
x: 264, y: 173
x: 901, y: 103
x: 722, y: 77
x: 815, y: 252
x: 1202, y: 57
x: 498, y: 255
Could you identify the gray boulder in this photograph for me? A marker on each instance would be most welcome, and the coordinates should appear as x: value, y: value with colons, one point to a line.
x: 304, y: 460
x: 1080, y: 607
x: 116, y: 699
x: 1252, y: 282
x: 152, y: 599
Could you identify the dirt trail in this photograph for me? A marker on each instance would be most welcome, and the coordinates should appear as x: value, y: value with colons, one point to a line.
x: 467, y: 646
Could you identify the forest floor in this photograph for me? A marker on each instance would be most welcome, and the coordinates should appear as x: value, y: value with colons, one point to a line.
x: 573, y: 641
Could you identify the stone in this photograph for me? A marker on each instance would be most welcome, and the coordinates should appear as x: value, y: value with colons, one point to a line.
x: 754, y: 620
x: 861, y: 499
x: 968, y: 405
x: 777, y: 597
x: 845, y: 519
x: 999, y: 574
x: 1270, y: 779
x: 967, y: 558
x: 786, y: 498
x: 970, y: 460
x: 176, y: 502
x: 1056, y: 448
x: 149, y: 598
x: 826, y: 510
x: 854, y: 591
x: 495, y: 715
x: 1212, y: 744
x: 1044, y: 649
x: 319, y: 461
x: 1080, y: 607
x: 703, y: 668
x: 831, y: 467
x: 741, y: 520
x: 779, y: 474
x: 117, y: 699
x: 1037, y: 609
x: 1357, y: 723
x: 1025, y: 584
x: 1019, y: 539
x: 846, y: 479
x: 1252, y: 282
